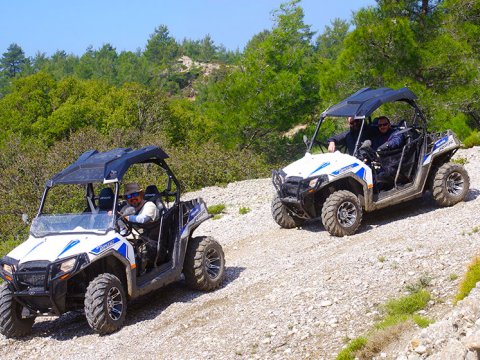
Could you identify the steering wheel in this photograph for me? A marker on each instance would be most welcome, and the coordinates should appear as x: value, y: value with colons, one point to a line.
x: 128, y: 227
x: 366, y: 154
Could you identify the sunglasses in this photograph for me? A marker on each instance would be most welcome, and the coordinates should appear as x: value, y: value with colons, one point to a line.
x: 382, y: 125
x: 132, y: 195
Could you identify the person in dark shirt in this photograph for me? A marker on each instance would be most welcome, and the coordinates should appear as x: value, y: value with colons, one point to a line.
x: 348, y: 138
x: 389, y: 158
x: 383, y: 133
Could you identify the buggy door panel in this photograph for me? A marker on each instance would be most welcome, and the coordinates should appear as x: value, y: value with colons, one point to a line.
x: 168, y: 233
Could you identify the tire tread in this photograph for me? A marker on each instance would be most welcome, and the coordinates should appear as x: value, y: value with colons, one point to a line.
x: 195, y: 274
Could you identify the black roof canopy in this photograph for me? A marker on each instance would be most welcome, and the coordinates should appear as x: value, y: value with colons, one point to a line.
x: 93, y: 166
x: 367, y: 100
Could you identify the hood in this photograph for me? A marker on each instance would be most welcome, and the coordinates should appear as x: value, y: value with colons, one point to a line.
x: 318, y: 164
x: 51, y: 248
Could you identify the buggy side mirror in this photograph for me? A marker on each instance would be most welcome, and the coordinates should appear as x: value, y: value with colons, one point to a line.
x: 25, y: 218
x: 305, y: 140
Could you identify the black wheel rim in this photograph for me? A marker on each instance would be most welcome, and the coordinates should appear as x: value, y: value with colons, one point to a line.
x: 347, y: 214
x: 114, y: 303
x: 455, y: 183
x: 212, y: 263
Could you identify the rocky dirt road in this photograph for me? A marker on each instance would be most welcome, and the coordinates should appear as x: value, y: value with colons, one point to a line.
x: 289, y: 294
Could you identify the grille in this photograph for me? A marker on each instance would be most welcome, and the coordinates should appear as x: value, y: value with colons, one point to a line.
x: 32, y: 279
x: 32, y: 274
x: 291, y: 187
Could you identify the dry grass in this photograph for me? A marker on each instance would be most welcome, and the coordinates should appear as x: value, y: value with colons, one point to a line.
x: 380, y: 339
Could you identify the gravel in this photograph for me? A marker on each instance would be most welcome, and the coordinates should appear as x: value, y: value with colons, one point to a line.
x: 297, y: 293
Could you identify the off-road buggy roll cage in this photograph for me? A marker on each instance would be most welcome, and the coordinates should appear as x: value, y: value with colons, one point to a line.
x: 110, y: 167
x: 363, y: 103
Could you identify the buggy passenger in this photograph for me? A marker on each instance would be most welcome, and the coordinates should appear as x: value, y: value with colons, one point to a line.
x: 349, y: 138
x: 383, y: 131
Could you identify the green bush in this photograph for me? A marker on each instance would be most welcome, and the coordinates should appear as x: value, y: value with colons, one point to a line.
x: 472, y: 140
x: 407, y: 305
x: 216, y: 209
x: 7, y: 243
x: 399, y: 314
x: 470, y: 279
x: 244, y: 210
x: 348, y: 353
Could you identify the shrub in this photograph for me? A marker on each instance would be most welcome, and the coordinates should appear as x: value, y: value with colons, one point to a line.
x: 470, y: 279
x: 8, y: 243
x: 216, y: 209
x: 407, y: 305
x: 472, y: 140
x: 209, y: 164
x: 399, y: 315
x: 460, y: 161
x: 348, y: 353
x: 244, y: 210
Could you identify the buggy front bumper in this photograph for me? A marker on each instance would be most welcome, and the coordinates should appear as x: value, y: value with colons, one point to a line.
x: 41, y: 286
x: 298, y: 194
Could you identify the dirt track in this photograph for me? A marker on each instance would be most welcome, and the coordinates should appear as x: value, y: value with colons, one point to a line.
x: 289, y: 294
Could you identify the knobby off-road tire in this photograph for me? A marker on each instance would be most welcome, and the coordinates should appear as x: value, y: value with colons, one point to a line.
x: 450, y: 184
x: 204, y: 266
x: 342, y: 213
x: 105, y: 304
x: 282, y: 217
x: 12, y: 325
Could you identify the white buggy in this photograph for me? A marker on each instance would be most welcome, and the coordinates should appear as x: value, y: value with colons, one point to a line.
x: 83, y: 260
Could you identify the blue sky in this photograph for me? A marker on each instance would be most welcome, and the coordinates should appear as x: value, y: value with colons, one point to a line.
x: 51, y: 25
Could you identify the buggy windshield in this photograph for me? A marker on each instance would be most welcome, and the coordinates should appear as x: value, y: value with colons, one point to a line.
x: 71, y: 223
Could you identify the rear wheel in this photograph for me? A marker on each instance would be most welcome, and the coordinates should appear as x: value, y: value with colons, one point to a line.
x: 450, y: 184
x: 105, y: 304
x: 12, y: 322
x: 282, y: 217
x: 342, y: 213
x: 204, y: 266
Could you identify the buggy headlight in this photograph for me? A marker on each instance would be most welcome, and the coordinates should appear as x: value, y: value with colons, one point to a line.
x: 8, y: 269
x: 67, y: 265
x: 318, y: 181
x: 313, y: 182
x: 66, y: 268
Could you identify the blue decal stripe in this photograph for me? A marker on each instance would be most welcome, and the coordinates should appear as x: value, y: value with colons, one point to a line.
x: 361, y: 173
x: 69, y: 246
x: 104, y: 246
x: 40, y: 243
x: 320, y: 167
x: 345, y: 168
x: 440, y: 143
x: 122, y: 250
x: 194, y: 212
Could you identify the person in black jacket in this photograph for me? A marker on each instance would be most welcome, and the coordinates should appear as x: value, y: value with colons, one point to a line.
x: 383, y: 133
x: 348, y: 138
x: 390, y: 156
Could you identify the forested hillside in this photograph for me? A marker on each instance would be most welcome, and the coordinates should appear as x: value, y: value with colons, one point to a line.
x: 229, y: 124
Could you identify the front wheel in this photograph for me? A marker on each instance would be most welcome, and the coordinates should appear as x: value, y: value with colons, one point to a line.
x: 12, y: 322
x: 204, y: 266
x: 450, y: 184
x: 342, y: 213
x: 105, y: 304
x: 282, y: 217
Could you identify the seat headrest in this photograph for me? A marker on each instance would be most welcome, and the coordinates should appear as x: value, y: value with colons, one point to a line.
x: 105, y: 199
x: 151, y: 193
